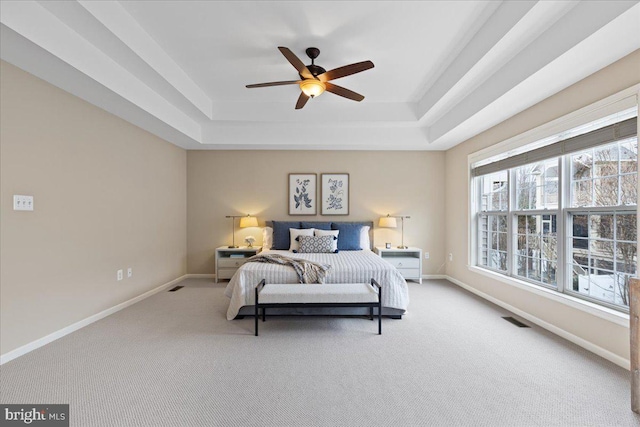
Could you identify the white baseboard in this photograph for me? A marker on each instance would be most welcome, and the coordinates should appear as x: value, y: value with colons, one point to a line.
x: 433, y: 276
x: 82, y: 323
x: 200, y: 276
x: 612, y: 357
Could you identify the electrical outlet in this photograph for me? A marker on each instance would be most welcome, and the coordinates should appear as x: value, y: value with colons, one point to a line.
x: 129, y: 272
x: 426, y: 255
x: 120, y: 275
x: 450, y: 256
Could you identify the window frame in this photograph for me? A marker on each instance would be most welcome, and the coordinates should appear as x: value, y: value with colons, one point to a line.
x: 563, y: 291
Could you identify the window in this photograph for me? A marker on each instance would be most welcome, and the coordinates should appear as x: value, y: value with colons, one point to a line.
x: 493, y: 221
x: 537, y: 185
x: 537, y: 248
x: 602, y: 213
x: 603, y: 255
x: 566, y: 222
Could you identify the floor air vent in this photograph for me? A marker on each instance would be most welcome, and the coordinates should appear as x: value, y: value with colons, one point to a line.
x: 515, y: 322
x: 177, y: 288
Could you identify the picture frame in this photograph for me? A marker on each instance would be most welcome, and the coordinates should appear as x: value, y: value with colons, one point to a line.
x: 303, y: 194
x: 335, y: 193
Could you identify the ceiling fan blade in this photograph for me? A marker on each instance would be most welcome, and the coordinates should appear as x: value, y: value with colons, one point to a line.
x: 301, y: 100
x: 346, y: 93
x: 347, y: 70
x: 288, y: 82
x: 297, y: 63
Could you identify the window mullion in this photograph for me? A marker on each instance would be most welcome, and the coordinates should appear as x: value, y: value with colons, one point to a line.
x: 511, y: 224
x: 561, y: 223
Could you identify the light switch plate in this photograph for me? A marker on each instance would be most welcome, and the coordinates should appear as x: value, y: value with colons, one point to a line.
x: 22, y: 203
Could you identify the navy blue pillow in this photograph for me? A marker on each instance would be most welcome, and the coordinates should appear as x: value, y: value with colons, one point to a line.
x: 349, y: 236
x: 281, y: 236
x: 319, y: 225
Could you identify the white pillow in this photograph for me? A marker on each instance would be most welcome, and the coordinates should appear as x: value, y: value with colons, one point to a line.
x: 267, y: 238
x: 294, y: 233
x: 365, y: 244
x: 334, y: 242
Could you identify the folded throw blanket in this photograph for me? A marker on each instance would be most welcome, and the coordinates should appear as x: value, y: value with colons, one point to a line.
x: 307, y: 271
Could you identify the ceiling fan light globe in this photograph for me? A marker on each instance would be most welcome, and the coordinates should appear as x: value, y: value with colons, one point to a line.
x: 312, y: 88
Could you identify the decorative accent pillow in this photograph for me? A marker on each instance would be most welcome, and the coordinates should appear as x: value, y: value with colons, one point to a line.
x: 281, y: 234
x: 267, y: 238
x: 294, y: 232
x: 365, y: 243
x: 316, y: 244
x: 350, y: 236
x: 333, y: 233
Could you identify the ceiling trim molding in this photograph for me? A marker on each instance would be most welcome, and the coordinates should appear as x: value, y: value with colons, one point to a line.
x: 36, y: 24
x: 513, y: 56
x: 116, y: 19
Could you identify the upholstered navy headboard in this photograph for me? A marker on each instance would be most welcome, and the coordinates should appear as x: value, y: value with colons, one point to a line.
x: 315, y: 223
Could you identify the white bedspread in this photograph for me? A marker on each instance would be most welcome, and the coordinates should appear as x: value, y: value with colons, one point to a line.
x: 346, y: 267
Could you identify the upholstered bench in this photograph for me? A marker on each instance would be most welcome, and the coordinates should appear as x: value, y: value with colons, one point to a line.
x: 318, y: 295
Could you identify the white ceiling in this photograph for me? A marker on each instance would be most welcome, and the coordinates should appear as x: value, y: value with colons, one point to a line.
x: 444, y: 70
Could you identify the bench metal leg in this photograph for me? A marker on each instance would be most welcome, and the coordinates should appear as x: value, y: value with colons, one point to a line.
x: 256, y: 320
x: 380, y: 313
x: 257, y: 304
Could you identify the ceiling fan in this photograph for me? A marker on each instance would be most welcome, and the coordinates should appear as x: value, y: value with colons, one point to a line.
x: 315, y: 79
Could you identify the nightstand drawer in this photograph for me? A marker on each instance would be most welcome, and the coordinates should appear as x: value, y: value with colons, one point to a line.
x: 410, y: 273
x: 403, y: 262
x: 231, y: 262
x: 226, y: 273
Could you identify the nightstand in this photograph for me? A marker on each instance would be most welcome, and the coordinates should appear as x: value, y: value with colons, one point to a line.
x: 407, y: 261
x: 228, y: 260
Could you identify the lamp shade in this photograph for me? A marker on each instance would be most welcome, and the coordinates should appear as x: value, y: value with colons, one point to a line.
x: 248, y: 221
x: 387, y: 222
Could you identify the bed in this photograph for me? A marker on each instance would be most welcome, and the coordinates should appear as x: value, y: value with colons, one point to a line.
x: 347, y: 266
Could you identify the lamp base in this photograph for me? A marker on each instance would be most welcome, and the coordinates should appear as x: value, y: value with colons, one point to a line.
x: 403, y: 247
x: 233, y: 247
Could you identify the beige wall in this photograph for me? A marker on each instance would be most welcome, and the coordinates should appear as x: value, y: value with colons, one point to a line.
x: 612, y: 79
x: 108, y: 196
x: 237, y: 182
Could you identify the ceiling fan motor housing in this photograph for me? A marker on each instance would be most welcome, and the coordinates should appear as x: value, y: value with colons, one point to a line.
x: 316, y: 70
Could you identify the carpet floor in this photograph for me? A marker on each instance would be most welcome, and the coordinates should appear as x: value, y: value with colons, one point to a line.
x: 174, y: 360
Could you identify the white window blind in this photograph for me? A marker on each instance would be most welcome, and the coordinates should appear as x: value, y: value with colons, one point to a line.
x: 614, y: 132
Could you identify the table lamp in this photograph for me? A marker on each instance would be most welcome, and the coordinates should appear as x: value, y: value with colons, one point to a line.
x: 390, y: 222
x: 245, y: 221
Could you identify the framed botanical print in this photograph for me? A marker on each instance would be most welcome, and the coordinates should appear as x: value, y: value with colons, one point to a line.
x: 335, y: 193
x: 302, y: 194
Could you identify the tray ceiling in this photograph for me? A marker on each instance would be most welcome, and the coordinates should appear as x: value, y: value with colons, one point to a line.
x: 444, y: 71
